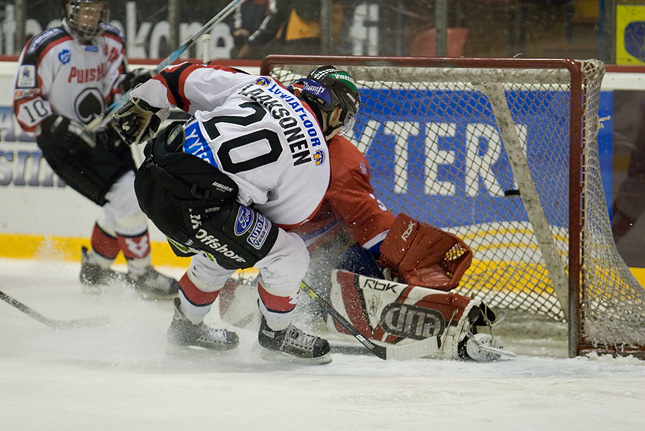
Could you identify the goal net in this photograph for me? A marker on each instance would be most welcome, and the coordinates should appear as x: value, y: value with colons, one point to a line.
x: 503, y: 153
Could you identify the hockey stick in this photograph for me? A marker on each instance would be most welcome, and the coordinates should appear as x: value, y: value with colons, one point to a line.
x: 57, y: 324
x: 414, y: 350
x: 109, y: 112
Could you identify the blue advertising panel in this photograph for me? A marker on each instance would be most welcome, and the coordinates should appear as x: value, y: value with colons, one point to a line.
x: 474, y: 178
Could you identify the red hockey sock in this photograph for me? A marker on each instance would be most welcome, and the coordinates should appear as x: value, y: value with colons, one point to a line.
x: 194, y: 295
x: 104, y: 244
x: 135, y: 247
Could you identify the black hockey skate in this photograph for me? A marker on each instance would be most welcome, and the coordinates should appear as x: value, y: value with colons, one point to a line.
x: 183, y: 334
x: 94, y: 277
x: 153, y: 284
x: 292, y: 345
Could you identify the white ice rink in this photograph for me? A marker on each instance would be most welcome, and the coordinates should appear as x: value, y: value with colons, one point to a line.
x: 118, y: 377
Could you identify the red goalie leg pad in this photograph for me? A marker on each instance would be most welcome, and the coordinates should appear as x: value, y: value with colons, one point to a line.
x: 451, y: 305
x: 194, y: 295
x: 275, y: 303
x: 104, y: 244
x: 424, y: 255
x: 135, y: 247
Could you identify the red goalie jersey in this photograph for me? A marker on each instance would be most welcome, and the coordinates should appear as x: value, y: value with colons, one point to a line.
x: 350, y: 201
x: 417, y: 253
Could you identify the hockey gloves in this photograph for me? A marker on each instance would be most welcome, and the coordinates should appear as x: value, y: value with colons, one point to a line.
x: 423, y: 255
x: 135, y: 77
x: 68, y: 133
x: 136, y: 121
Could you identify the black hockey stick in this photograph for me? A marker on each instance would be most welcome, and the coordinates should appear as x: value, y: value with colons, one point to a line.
x: 111, y: 110
x: 413, y: 350
x: 57, y: 324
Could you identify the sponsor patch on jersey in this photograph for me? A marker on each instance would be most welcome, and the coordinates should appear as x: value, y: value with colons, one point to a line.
x: 260, y: 232
x: 65, y: 56
x: 91, y: 48
x: 27, y: 76
x: 243, y: 221
x: 197, y: 145
x: 263, y: 81
x: 319, y: 157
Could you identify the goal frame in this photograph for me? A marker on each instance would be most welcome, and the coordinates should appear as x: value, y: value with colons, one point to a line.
x: 576, y: 346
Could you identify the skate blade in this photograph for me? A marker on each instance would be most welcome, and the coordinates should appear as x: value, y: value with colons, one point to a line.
x: 176, y: 350
x: 282, y: 357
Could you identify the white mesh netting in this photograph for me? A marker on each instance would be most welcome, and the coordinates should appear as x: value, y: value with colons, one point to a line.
x: 445, y: 149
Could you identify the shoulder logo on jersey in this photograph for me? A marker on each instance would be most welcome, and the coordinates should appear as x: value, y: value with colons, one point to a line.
x: 319, y: 157
x: 263, y: 81
x: 260, y: 232
x: 65, y: 56
x: 243, y: 221
x: 27, y: 76
x: 196, y: 144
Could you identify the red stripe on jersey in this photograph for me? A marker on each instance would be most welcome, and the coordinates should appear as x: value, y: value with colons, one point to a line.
x: 50, y: 46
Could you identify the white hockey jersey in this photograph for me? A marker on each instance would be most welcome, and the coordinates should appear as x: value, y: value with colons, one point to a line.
x: 254, y: 130
x: 57, y: 74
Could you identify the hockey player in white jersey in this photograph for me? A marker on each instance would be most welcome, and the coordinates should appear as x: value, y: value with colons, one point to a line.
x: 66, y: 76
x: 228, y: 185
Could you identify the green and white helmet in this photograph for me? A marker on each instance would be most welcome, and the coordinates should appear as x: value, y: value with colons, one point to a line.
x: 325, y: 88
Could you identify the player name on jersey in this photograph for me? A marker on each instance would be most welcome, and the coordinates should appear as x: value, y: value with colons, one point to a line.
x: 273, y: 99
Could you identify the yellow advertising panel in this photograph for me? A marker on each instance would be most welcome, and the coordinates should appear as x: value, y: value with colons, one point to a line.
x: 630, y: 35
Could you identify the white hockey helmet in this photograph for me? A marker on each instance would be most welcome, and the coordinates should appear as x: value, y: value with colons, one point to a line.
x: 86, y: 18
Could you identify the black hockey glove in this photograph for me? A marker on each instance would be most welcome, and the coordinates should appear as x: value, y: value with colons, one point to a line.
x: 68, y: 132
x: 136, y: 121
x: 136, y: 77
x: 107, y: 137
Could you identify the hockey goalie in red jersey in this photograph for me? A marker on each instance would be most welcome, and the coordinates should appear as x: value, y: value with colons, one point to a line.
x: 66, y: 76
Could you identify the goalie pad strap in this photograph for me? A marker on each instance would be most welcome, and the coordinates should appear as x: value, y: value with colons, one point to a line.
x: 424, y: 255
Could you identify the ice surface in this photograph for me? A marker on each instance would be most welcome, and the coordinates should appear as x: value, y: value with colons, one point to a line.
x: 119, y: 377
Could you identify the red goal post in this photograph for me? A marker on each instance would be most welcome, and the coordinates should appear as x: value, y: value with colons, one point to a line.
x: 503, y: 153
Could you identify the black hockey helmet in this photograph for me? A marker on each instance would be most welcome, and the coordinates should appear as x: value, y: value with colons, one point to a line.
x: 86, y: 18
x: 324, y: 89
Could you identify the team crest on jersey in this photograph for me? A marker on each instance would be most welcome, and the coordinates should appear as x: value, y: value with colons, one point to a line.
x: 243, y: 221
x: 319, y: 157
x: 27, y: 76
x: 65, y: 56
x: 263, y: 81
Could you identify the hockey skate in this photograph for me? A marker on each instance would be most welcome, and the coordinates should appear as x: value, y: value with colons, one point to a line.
x: 184, y: 335
x: 481, y: 347
x: 153, y: 284
x: 292, y: 345
x: 94, y: 277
